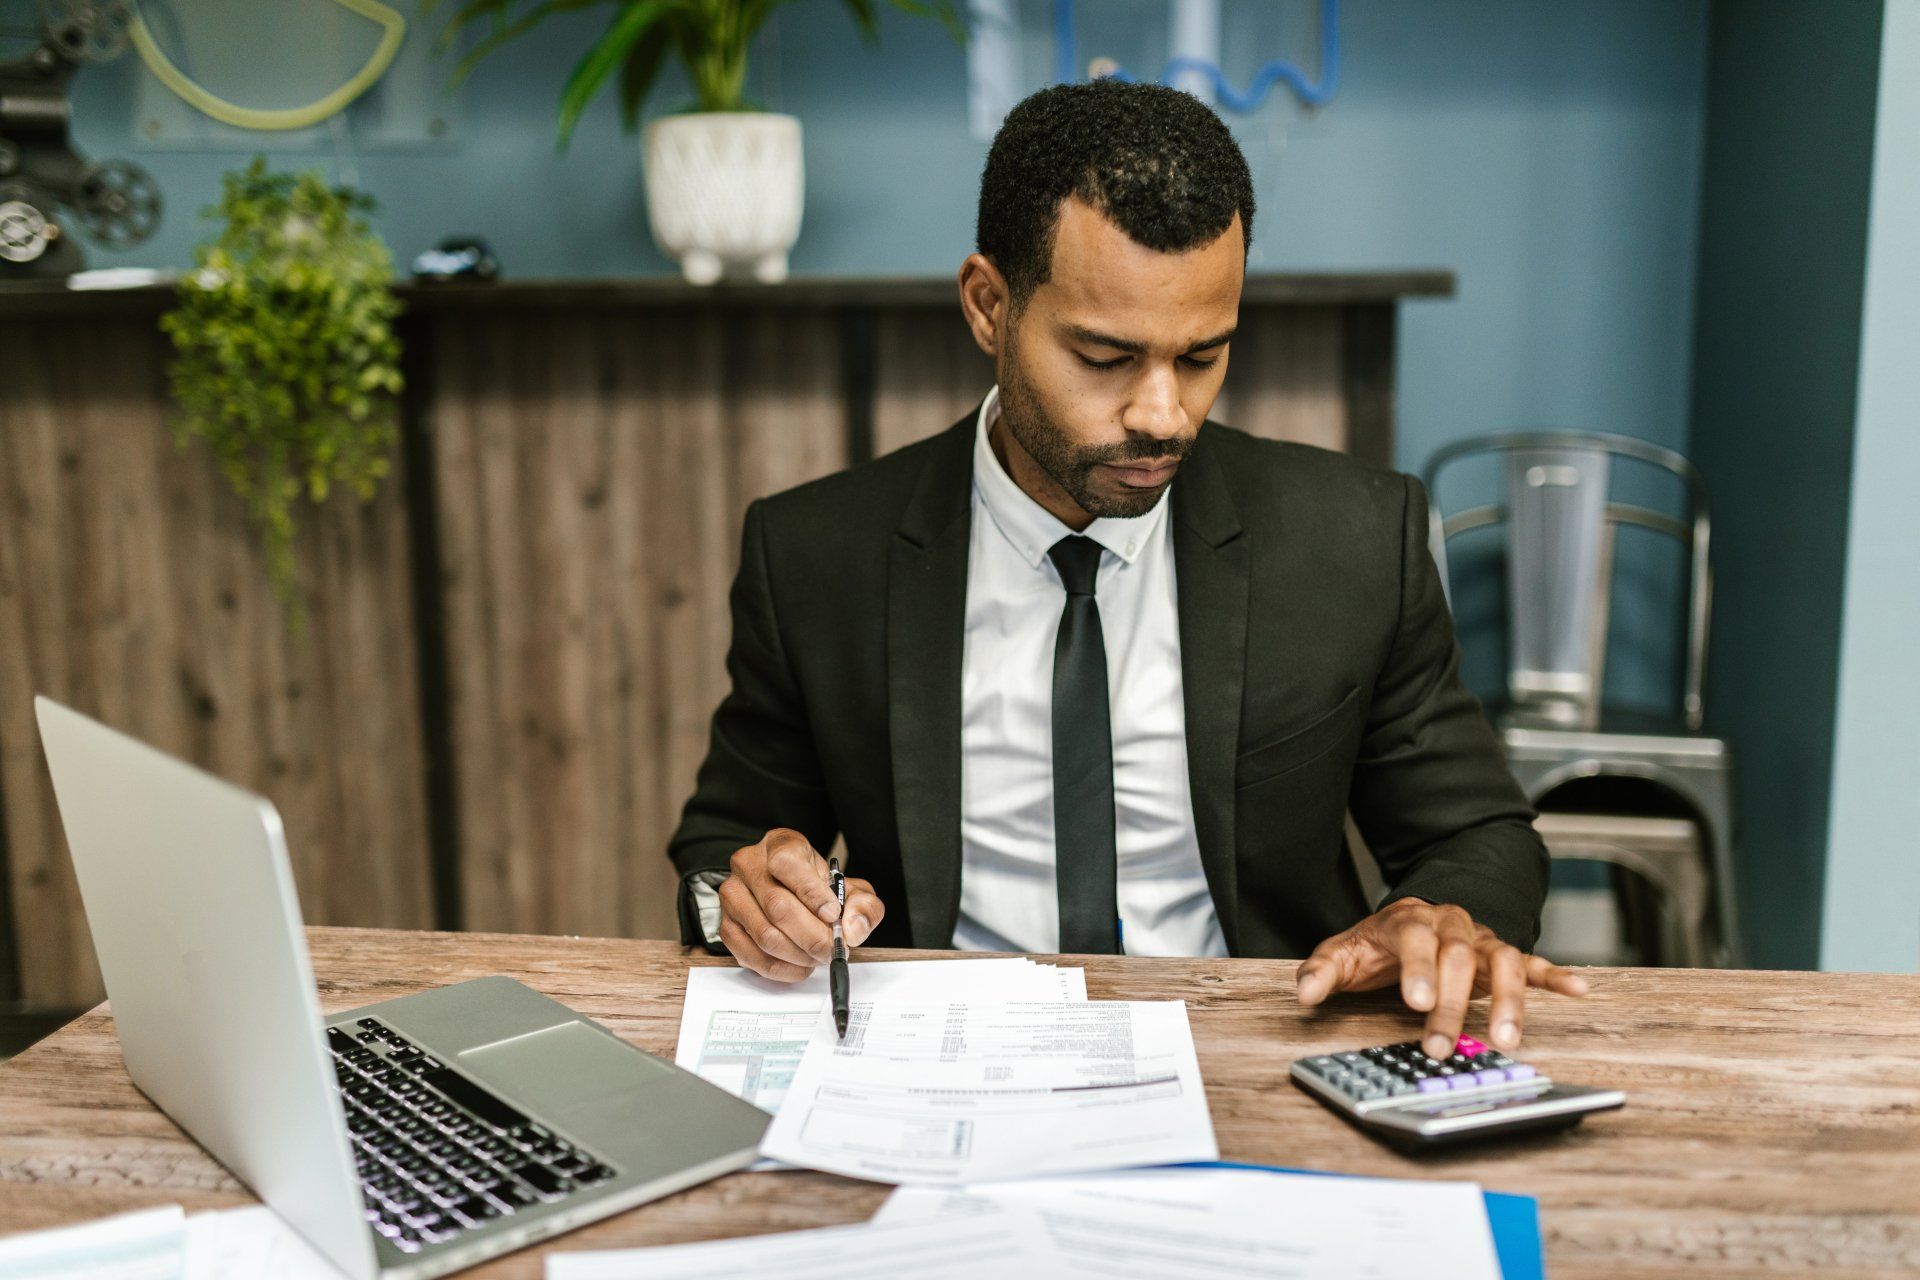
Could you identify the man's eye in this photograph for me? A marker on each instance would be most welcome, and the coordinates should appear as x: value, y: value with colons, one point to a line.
x: 1199, y: 364
x: 1102, y: 364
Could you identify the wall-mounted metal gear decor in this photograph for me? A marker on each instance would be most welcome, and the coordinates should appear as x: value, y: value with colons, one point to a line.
x: 41, y: 173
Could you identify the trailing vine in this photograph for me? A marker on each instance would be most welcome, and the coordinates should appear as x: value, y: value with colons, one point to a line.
x: 286, y: 363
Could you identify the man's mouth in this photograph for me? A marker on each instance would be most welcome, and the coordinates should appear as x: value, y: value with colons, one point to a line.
x: 1145, y: 475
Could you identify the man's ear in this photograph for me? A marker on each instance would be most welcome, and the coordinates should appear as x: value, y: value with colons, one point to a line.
x: 985, y: 302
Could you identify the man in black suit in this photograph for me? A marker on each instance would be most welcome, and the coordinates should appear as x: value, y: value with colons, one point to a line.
x: 1087, y: 672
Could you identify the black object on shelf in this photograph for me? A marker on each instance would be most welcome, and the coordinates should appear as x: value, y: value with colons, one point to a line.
x: 457, y: 258
x: 42, y: 173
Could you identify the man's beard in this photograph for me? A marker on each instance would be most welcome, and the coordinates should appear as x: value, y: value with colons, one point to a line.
x: 1073, y: 467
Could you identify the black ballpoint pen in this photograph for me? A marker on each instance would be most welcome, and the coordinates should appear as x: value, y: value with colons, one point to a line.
x: 837, y: 971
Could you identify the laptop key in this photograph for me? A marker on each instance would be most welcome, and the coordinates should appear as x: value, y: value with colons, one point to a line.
x: 475, y: 1210
x: 543, y: 1180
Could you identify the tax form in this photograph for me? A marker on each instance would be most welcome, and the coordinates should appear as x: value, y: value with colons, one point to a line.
x: 1237, y: 1224
x: 1000, y: 1244
x: 167, y: 1244
x: 958, y: 1091
x: 746, y: 1033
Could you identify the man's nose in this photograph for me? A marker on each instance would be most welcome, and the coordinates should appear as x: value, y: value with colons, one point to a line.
x: 1155, y: 409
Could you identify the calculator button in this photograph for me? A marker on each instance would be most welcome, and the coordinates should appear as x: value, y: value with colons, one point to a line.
x: 1469, y: 1046
x: 1493, y: 1075
x: 1520, y: 1071
x: 1399, y: 1087
x: 1433, y: 1084
x: 1464, y: 1081
x: 1351, y: 1059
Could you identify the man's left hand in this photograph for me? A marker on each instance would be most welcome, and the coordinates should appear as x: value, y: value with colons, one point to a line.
x: 1442, y: 960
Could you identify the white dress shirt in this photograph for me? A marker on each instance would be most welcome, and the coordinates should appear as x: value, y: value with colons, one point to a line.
x: 1014, y: 602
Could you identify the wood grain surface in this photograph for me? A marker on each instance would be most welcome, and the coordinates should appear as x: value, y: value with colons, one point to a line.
x: 130, y: 588
x: 590, y: 496
x: 1772, y: 1124
x: 515, y: 651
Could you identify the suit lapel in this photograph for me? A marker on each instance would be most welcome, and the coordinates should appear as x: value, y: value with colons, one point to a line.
x: 926, y: 627
x: 1210, y: 568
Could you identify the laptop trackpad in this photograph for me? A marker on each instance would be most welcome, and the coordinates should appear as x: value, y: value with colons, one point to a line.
x: 563, y: 1067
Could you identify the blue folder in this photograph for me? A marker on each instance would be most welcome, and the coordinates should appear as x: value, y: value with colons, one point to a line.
x: 1515, y: 1221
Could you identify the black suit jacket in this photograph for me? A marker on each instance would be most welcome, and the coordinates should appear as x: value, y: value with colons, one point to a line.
x: 1320, y: 670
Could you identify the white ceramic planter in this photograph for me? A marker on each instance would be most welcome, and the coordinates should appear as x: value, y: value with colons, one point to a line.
x: 724, y: 192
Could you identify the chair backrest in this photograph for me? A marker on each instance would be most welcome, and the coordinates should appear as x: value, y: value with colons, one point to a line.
x: 1562, y: 522
x: 1559, y: 566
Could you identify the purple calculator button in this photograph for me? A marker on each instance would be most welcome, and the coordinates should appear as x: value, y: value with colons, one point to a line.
x: 1492, y: 1075
x: 1520, y: 1071
x: 1464, y: 1080
x: 1434, y: 1084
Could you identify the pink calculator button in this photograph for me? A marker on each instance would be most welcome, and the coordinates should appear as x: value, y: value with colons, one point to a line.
x: 1469, y: 1046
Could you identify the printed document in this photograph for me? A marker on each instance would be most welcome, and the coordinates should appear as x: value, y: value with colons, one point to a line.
x: 746, y: 1033
x: 958, y: 1091
x: 1238, y: 1224
x: 1003, y: 1244
x: 166, y: 1244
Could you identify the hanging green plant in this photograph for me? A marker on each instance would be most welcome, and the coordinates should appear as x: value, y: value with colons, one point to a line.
x: 286, y: 362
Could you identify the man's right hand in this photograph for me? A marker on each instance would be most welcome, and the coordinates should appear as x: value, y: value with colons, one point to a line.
x: 777, y: 907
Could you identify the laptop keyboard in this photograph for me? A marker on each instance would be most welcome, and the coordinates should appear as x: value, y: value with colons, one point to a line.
x: 436, y: 1153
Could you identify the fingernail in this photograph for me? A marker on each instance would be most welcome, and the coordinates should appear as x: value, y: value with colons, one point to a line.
x: 1505, y: 1032
x: 1421, y: 993
x: 828, y: 910
x: 1438, y: 1047
x: 855, y: 930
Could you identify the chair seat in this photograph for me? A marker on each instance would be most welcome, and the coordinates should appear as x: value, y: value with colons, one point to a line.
x: 1668, y: 854
x: 1623, y: 733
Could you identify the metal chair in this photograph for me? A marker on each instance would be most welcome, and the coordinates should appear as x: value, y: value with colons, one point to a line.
x: 1562, y: 523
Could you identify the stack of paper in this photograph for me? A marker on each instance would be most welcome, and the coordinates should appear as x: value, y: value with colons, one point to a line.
x: 747, y: 1034
x: 961, y: 1091
x: 1229, y: 1224
x: 1145, y: 1224
x: 166, y: 1244
x: 1000, y: 1243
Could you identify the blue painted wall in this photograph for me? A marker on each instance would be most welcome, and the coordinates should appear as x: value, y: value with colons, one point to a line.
x: 1872, y: 906
x: 1787, y: 183
x: 1548, y: 153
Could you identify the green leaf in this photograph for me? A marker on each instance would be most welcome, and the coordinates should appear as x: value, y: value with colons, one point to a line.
x: 508, y: 31
x: 467, y: 15
x: 285, y: 365
x: 638, y: 70
x: 867, y: 20
x: 606, y: 54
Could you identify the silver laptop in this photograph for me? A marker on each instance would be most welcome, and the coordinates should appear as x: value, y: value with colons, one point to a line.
x: 409, y: 1138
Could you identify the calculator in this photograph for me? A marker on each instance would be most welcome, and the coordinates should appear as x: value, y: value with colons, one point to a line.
x: 1397, y: 1093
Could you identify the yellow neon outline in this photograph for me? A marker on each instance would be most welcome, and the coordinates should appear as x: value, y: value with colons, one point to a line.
x: 394, y: 29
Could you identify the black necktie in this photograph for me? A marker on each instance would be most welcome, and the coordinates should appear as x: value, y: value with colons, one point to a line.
x: 1083, y: 820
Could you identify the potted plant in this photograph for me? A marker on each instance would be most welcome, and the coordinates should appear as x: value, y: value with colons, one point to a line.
x: 285, y: 359
x: 724, y: 180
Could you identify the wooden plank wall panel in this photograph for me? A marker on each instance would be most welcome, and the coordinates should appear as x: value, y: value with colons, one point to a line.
x: 593, y: 474
x: 927, y: 372
x: 130, y: 588
x: 1287, y: 377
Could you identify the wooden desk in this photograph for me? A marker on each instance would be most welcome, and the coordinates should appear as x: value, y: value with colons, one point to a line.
x: 1817, y: 1172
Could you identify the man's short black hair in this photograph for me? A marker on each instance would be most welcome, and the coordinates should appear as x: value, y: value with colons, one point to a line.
x: 1156, y: 161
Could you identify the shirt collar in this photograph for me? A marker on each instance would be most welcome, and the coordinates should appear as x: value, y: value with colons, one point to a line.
x: 1030, y: 527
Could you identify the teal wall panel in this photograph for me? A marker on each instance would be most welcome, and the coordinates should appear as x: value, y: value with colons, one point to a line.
x: 1790, y: 110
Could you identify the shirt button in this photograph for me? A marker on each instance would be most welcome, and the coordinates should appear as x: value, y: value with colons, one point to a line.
x: 1131, y: 546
